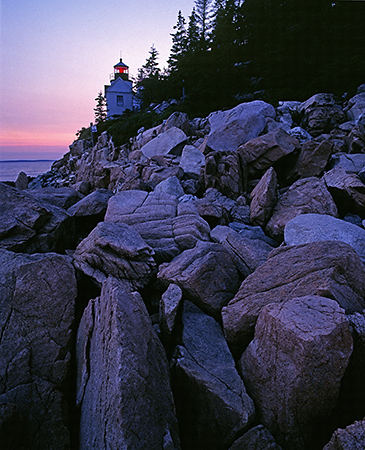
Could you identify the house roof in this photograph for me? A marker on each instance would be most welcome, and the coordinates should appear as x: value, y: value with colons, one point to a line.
x: 119, y: 85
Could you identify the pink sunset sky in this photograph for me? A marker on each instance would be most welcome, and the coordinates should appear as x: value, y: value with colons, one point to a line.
x: 55, y: 57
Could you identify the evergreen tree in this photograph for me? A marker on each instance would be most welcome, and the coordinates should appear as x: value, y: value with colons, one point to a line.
x: 179, y: 43
x: 150, y: 69
x: 100, y: 109
x: 203, y: 9
x: 193, y: 32
x: 150, y: 84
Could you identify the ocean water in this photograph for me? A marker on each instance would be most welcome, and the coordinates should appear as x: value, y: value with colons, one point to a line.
x: 9, y: 170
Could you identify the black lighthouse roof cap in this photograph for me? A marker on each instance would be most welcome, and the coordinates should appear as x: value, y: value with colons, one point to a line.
x: 120, y: 64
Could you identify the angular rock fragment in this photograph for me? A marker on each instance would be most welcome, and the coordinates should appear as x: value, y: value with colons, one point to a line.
x: 29, y: 225
x: 308, y: 195
x: 167, y: 142
x: 258, y: 438
x: 347, y: 190
x: 232, y: 128
x: 170, y: 186
x: 294, y: 366
x: 349, y: 438
x: 205, y: 273
x: 260, y: 153
x: 307, y: 228
x: 169, y: 308
x: 123, y: 386
x: 212, y: 403
x: 328, y: 268
x: 223, y: 171
x: 94, y: 204
x: 263, y: 198
x: 320, y: 114
x: 248, y: 254
x: 313, y: 158
x: 350, y: 163
x: 192, y: 161
x: 117, y: 250
x: 356, y: 106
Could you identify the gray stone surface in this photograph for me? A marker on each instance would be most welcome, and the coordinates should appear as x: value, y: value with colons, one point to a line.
x: 171, y: 186
x: 94, y: 204
x: 123, y: 386
x: 117, y: 250
x: 307, y: 228
x: 328, y: 268
x: 63, y: 197
x: 192, y: 161
x: 258, y: 438
x: 212, y: 402
x: 232, y: 128
x: 349, y: 438
x: 37, y: 301
x: 260, y: 153
x: 350, y: 163
x: 206, y: 274
x: 308, y: 195
x: 263, y: 198
x: 167, y: 142
x: 169, y: 308
x: 248, y: 254
x: 155, y: 217
x: 294, y: 366
x: 29, y: 225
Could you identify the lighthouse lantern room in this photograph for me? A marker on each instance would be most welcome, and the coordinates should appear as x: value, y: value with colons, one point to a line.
x: 118, y: 94
x: 121, y: 70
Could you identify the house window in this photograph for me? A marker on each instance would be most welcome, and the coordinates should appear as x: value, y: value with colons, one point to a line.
x: 120, y: 100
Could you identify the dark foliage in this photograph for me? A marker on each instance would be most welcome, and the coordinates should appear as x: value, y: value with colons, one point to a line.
x: 231, y: 51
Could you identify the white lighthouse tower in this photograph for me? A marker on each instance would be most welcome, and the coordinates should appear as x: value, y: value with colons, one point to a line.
x: 118, y: 94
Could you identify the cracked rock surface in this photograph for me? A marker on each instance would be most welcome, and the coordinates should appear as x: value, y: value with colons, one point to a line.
x: 294, y: 365
x: 36, y: 316
x: 206, y: 381
x: 123, y: 387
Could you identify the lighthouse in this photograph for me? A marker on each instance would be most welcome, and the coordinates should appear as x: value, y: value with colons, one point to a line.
x: 118, y: 94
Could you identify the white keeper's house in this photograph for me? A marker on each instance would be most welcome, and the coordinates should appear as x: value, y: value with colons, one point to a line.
x: 118, y: 94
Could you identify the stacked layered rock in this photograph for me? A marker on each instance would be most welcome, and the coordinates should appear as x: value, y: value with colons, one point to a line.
x: 202, y: 287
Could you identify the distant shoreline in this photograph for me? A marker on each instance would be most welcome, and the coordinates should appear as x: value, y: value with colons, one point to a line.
x: 10, y: 169
x: 25, y: 160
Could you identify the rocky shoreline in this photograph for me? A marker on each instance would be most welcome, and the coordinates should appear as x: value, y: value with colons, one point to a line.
x: 202, y: 287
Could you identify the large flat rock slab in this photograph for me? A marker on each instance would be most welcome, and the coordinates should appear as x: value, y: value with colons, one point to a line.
x: 307, y: 228
x: 155, y: 217
x: 294, y: 366
x: 123, y: 386
x: 329, y: 268
x: 37, y: 302
x: 118, y: 250
x: 168, y: 142
x: 30, y: 225
x: 232, y: 128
